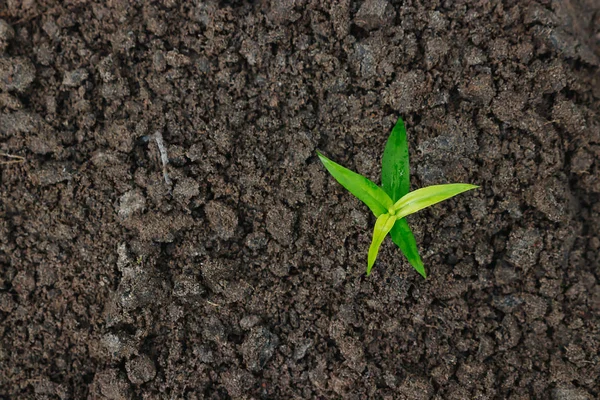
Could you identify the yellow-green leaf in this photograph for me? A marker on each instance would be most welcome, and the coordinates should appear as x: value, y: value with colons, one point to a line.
x: 383, y: 225
x: 365, y: 190
x: 425, y: 197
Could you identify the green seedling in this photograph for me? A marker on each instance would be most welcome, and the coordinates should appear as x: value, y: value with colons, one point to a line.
x: 392, y: 202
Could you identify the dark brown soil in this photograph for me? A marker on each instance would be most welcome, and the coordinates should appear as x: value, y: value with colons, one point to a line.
x: 240, y: 276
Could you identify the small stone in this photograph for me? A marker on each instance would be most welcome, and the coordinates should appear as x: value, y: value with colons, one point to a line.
x: 536, y: 13
x: 204, y: 354
x: 256, y: 241
x: 6, y: 34
x: 236, y: 382
x: 251, y: 52
x: 118, y: 346
x: 594, y: 243
x: 131, y: 203
x: 474, y: 56
x: 51, y: 174
x: 570, y: 393
x: 582, y: 162
x: 504, y: 274
x: 416, y: 387
x: 46, y: 274
x: 45, y: 389
x: 535, y: 306
x: 352, y: 350
x: 75, y: 78
x: 215, y: 274
x: 368, y: 63
x: 214, y: 330
x: 280, y: 222
x: 282, y: 11
x: 195, y: 152
x: 437, y: 21
x: 507, y: 303
x: 223, y: 220
x: 435, y: 50
x: 112, y: 385
x: 302, y: 348
x: 568, y: 115
x: 374, y: 14
x: 107, y: 69
x: 156, y: 26
x: 249, y: 321
x: 44, y: 54
x: 480, y: 89
x: 258, y: 348
x: 115, y: 90
x: 123, y: 40
x: 158, y: 61
x: 6, y: 31
x: 406, y: 93
x: 7, y: 303
x: 508, y: 106
x: 185, y: 189
x: 140, y: 370
x: 552, y: 78
x: 10, y: 102
x: 23, y: 283
x: 524, y: 247
x: 176, y: 59
x: 16, y: 73
x: 187, y: 288
x: 552, y: 197
x: 51, y: 29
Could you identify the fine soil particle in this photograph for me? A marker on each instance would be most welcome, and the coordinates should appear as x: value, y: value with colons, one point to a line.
x: 223, y: 262
x: 140, y: 370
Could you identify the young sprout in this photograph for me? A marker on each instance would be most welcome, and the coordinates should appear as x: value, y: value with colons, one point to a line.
x: 392, y: 202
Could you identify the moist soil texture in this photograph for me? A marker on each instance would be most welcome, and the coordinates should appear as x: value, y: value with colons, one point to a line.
x: 168, y: 232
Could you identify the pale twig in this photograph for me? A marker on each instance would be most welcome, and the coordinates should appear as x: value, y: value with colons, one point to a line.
x: 164, y: 158
x: 554, y: 121
x: 14, y: 159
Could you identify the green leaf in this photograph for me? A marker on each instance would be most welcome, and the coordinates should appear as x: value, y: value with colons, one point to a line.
x: 365, y: 190
x: 425, y: 197
x: 384, y: 224
x: 395, y: 180
x: 403, y: 237
x: 395, y: 170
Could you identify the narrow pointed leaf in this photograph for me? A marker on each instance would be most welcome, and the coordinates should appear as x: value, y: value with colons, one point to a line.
x: 403, y: 237
x: 425, y: 197
x: 365, y: 190
x: 395, y: 170
x: 384, y: 224
x: 395, y: 180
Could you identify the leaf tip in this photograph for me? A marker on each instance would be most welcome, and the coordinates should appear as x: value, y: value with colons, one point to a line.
x: 419, y: 267
x: 469, y: 186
